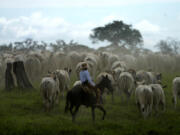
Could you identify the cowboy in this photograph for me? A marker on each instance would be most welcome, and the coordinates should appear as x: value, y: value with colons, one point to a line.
x: 86, y: 81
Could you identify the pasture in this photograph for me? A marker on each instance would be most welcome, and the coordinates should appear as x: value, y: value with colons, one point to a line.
x: 22, y: 113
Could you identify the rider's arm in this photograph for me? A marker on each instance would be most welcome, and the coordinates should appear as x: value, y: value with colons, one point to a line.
x: 89, y: 79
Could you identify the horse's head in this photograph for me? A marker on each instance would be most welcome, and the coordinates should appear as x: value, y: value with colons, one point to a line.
x: 106, y: 83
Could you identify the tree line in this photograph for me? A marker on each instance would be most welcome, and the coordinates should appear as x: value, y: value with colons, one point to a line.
x: 117, y: 33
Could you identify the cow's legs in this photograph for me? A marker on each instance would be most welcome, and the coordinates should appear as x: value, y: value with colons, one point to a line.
x: 71, y: 109
x: 175, y: 100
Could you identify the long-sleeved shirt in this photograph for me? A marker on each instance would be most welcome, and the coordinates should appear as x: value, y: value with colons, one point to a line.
x: 85, y: 76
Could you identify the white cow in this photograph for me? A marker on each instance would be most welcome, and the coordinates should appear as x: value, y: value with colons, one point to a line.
x: 49, y: 88
x: 121, y: 64
x: 148, y: 77
x: 116, y: 72
x: 176, y: 90
x: 64, y: 79
x: 144, y: 99
x: 158, y: 96
x: 126, y: 84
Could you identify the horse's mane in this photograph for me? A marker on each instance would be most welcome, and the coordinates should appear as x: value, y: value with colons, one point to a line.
x: 100, y: 85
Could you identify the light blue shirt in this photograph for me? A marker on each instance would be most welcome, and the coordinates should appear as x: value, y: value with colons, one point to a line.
x: 84, y: 76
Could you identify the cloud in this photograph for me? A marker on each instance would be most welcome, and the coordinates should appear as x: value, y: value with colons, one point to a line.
x: 74, y: 3
x: 39, y: 27
x: 147, y: 27
x: 49, y: 29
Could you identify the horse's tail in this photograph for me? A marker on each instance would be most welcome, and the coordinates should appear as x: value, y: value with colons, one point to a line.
x: 67, y: 102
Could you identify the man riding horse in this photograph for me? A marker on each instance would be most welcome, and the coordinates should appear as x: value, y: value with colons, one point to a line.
x: 87, y: 84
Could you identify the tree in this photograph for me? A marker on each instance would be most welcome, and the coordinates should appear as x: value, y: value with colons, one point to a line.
x: 19, y: 46
x: 117, y: 33
x: 15, y: 72
x: 168, y: 46
x: 5, y: 47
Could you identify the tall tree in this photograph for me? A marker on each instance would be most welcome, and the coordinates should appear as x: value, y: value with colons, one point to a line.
x: 117, y: 33
x: 169, y: 46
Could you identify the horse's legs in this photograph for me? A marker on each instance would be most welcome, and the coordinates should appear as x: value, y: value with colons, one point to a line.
x: 71, y: 109
x: 93, y: 113
x: 102, y: 109
x: 101, y: 100
x: 74, y: 113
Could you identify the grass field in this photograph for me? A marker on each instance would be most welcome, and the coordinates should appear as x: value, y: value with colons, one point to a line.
x: 22, y: 113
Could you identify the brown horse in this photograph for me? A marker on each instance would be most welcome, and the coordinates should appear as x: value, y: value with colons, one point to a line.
x: 77, y: 97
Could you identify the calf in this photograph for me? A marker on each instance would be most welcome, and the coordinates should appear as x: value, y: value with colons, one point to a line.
x: 49, y: 88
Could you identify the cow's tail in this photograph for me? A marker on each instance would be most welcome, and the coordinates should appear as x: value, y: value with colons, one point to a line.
x: 67, y: 102
x: 124, y: 81
x: 45, y: 90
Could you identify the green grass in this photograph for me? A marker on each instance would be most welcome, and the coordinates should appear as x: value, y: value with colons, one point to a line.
x: 23, y: 113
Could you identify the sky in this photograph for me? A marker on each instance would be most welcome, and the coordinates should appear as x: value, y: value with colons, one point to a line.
x: 50, y: 20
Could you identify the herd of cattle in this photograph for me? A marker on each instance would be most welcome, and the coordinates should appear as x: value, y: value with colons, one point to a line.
x: 55, y: 79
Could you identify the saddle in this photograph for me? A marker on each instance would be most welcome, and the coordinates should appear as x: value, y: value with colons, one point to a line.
x: 88, y: 88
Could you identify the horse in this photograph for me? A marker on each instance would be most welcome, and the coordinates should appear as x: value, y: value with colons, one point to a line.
x: 77, y: 97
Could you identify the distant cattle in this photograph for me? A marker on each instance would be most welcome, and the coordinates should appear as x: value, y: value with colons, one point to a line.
x: 33, y: 68
x: 64, y: 79
x: 148, y: 77
x: 79, y: 68
x: 121, y: 64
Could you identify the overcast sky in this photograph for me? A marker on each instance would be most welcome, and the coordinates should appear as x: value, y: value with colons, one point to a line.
x: 50, y: 20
